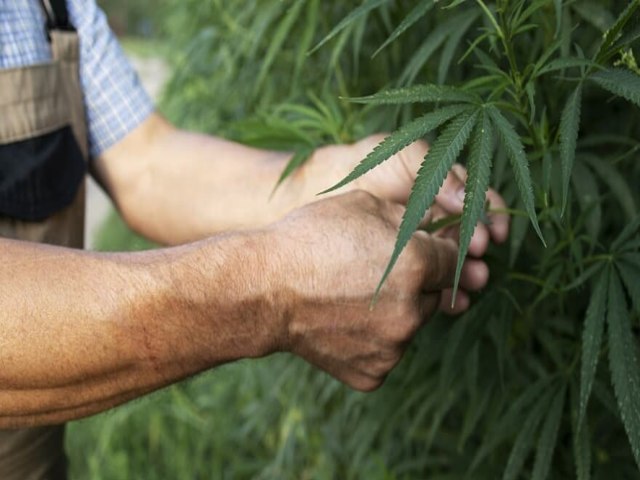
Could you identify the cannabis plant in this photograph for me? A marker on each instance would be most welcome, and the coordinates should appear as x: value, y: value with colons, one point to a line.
x: 540, y: 100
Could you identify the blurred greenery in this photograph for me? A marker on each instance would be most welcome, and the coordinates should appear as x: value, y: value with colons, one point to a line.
x: 493, y: 394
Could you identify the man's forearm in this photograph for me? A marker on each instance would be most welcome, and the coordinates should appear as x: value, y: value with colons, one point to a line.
x: 83, y: 332
x: 175, y: 186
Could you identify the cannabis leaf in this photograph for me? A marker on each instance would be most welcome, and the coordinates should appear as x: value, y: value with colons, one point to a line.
x: 621, y: 82
x: 524, y: 440
x: 431, y: 174
x: 592, y: 339
x: 623, y: 362
x: 479, y: 165
x: 515, y: 151
x: 429, y: 93
x: 548, y: 437
x: 419, y: 11
x: 354, y: 15
x: 569, y: 125
x: 399, y: 139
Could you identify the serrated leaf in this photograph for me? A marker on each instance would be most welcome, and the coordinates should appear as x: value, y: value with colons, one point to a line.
x: 581, y: 450
x: 429, y: 93
x: 621, y: 82
x: 618, y: 185
x: 624, y: 365
x: 548, y: 437
x: 569, y: 126
x: 627, y: 233
x: 587, y: 194
x: 419, y: 11
x: 431, y: 175
x: 584, y: 276
x: 399, y: 139
x: 524, y: 439
x: 354, y: 15
x: 592, y: 340
x: 515, y: 151
x: 563, y: 63
x: 630, y: 276
x: 479, y: 166
x: 452, y: 43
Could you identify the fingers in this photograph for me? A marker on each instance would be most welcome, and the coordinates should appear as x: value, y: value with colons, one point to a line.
x: 461, y: 304
x: 450, y: 199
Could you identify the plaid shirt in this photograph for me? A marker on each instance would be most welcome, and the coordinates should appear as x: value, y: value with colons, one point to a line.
x: 114, y: 99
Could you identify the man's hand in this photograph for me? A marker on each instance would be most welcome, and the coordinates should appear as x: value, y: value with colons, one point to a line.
x: 331, y: 255
x: 393, y: 179
x: 100, y: 329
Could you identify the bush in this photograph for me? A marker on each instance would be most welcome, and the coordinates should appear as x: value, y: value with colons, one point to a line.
x: 541, y: 378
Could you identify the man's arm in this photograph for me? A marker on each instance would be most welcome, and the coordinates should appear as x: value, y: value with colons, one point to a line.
x: 174, y: 186
x: 82, y: 332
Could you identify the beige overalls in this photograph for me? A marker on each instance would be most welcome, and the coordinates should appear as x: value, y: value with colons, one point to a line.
x: 42, y: 124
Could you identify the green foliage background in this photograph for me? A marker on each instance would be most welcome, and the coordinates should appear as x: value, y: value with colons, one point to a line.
x: 541, y: 378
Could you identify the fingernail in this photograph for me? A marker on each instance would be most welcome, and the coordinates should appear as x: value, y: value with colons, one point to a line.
x: 460, y: 195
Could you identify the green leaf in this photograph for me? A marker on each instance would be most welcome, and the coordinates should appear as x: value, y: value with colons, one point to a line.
x: 296, y: 161
x: 431, y: 174
x: 597, y: 15
x: 581, y: 445
x: 515, y: 151
x: 278, y: 39
x: 621, y: 82
x: 354, y: 15
x: 617, y: 183
x: 630, y: 275
x: 548, y: 437
x: 524, y: 439
x: 613, y: 33
x: 452, y: 44
x: 569, y: 126
x: 419, y: 11
x: 587, y: 194
x: 584, y: 276
x: 429, y: 93
x: 462, y: 337
x: 628, y: 232
x: 592, y: 340
x: 399, y: 139
x: 479, y: 165
x: 563, y: 63
x: 510, y: 420
x: 624, y: 365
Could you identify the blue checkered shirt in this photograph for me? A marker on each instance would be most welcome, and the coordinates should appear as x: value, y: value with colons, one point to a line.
x: 114, y: 100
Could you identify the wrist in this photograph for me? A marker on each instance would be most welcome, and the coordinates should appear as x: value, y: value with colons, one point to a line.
x: 229, y: 286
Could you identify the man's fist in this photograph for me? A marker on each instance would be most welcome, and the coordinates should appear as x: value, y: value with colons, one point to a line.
x: 332, y: 254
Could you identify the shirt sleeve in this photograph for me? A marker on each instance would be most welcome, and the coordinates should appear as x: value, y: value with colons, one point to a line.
x: 114, y: 99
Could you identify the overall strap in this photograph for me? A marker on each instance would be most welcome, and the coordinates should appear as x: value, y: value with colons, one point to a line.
x: 57, y: 15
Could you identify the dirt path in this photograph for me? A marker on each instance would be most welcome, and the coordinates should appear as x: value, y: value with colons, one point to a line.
x: 153, y: 73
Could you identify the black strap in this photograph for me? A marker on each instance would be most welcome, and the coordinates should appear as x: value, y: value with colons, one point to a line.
x: 57, y: 14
